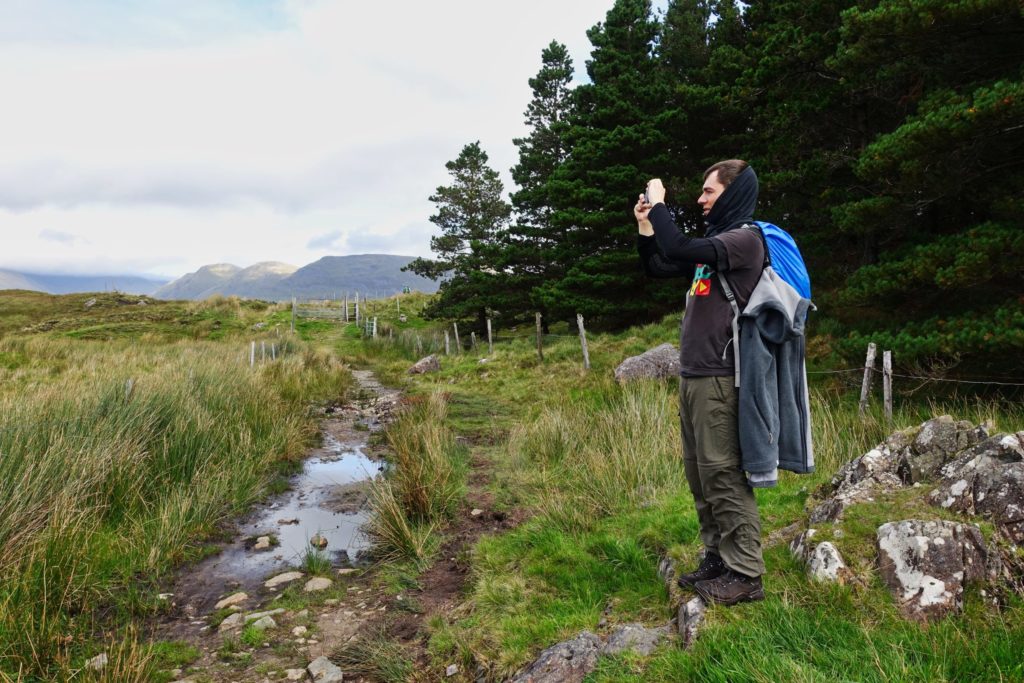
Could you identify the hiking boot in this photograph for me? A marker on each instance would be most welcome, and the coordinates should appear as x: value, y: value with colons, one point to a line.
x: 730, y: 588
x: 711, y: 566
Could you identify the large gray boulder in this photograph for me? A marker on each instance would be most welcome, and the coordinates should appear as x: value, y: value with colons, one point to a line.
x: 567, y: 662
x: 425, y: 365
x: 661, y: 362
x: 925, y: 564
x: 988, y: 480
x: 906, y: 457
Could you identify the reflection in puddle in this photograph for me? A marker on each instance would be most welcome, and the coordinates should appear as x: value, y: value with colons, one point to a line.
x: 326, y: 498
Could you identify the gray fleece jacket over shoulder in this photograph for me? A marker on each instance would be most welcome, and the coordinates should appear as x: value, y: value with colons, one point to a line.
x: 775, y: 419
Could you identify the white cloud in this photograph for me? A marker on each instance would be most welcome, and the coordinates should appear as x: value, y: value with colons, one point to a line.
x: 242, y: 134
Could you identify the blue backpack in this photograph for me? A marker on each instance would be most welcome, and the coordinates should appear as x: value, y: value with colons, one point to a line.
x: 782, y: 254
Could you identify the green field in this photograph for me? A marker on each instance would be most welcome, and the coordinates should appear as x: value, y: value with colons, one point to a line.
x: 131, y: 433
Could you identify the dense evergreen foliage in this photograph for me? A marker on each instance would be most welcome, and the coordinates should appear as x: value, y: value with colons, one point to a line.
x: 888, y: 136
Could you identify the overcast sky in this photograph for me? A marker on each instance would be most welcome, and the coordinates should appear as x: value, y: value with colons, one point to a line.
x: 156, y: 136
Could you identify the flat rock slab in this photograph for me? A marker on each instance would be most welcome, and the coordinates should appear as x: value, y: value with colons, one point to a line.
x: 259, y: 615
x: 233, y: 599
x: 567, y: 662
x: 264, y: 623
x: 287, y: 577
x: 925, y: 564
x: 231, y: 621
x: 318, y: 583
x: 635, y: 637
x: 661, y: 362
x: 324, y: 670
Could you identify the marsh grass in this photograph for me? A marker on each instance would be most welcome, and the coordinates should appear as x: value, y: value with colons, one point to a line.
x: 424, y: 485
x: 374, y: 656
x: 103, y: 490
x: 594, y: 470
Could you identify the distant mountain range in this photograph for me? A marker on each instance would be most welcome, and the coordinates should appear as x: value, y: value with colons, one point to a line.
x: 332, y: 276
x: 67, y: 284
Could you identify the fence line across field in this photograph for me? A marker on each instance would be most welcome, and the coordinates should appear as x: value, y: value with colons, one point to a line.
x: 359, y: 309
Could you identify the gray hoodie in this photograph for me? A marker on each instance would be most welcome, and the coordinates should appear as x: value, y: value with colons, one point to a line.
x: 775, y: 418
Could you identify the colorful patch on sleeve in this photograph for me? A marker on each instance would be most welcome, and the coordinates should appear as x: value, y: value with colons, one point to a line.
x: 701, y: 285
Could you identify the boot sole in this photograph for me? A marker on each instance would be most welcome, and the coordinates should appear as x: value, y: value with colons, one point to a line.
x: 753, y: 596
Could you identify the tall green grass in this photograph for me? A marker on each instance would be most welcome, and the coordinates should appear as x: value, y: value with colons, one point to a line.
x: 424, y: 485
x: 103, y: 489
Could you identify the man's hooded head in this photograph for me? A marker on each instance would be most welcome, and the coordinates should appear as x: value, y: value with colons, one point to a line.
x: 736, y: 205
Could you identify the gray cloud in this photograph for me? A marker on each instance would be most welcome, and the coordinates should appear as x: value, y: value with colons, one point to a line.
x: 368, y: 173
x: 410, y: 239
x: 327, y: 242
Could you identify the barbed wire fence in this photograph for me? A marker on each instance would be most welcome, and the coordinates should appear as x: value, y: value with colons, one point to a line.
x: 446, y: 339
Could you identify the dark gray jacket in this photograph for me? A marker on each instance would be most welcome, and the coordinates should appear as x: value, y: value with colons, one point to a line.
x: 775, y: 418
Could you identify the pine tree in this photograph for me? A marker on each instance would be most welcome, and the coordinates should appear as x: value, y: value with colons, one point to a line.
x: 528, y: 254
x: 615, y: 145
x: 470, y: 213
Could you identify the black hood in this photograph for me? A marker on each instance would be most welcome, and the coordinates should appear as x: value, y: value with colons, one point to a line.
x: 736, y: 205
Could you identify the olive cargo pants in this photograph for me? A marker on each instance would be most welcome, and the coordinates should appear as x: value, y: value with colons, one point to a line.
x: 726, y: 507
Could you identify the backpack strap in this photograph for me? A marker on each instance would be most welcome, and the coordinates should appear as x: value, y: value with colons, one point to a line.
x: 735, y: 325
x: 735, y: 306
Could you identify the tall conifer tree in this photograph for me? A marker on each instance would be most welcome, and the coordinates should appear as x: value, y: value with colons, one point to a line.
x: 528, y: 258
x: 615, y: 143
x: 470, y: 213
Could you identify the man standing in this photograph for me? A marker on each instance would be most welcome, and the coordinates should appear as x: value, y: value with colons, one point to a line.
x: 730, y: 527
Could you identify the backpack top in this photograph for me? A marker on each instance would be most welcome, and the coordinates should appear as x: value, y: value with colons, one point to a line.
x: 782, y: 254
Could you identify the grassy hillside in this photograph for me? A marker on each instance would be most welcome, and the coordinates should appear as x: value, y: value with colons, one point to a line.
x: 128, y: 434
x: 593, y: 469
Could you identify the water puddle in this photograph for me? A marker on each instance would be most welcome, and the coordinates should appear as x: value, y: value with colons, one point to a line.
x: 328, y: 498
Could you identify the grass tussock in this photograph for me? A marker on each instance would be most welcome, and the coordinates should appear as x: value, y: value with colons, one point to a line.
x: 619, y: 456
x: 424, y: 485
x: 104, y: 481
x: 374, y: 656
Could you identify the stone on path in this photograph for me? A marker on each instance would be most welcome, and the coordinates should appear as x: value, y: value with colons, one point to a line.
x: 345, y: 571
x: 232, y: 599
x: 263, y: 623
x: 318, y: 542
x: 689, y: 620
x: 231, y: 621
x: 299, y: 631
x: 476, y: 512
x: 287, y: 577
x: 566, y: 662
x: 661, y: 362
x: 295, y: 674
x: 635, y: 637
x: 452, y: 670
x: 262, y: 543
x: 259, y: 615
x: 926, y: 564
x: 425, y: 365
x: 318, y: 583
x: 324, y: 670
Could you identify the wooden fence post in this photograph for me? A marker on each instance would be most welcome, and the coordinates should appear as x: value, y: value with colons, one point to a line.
x: 346, y: 307
x: 293, y: 315
x: 252, y: 354
x: 263, y: 351
x: 374, y: 327
x: 540, y: 347
x: 865, y: 387
x: 419, y: 344
x: 273, y: 352
x: 458, y: 342
x: 887, y: 383
x: 490, y: 341
x: 447, y: 346
x: 472, y: 340
x: 357, y: 308
x: 583, y: 341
